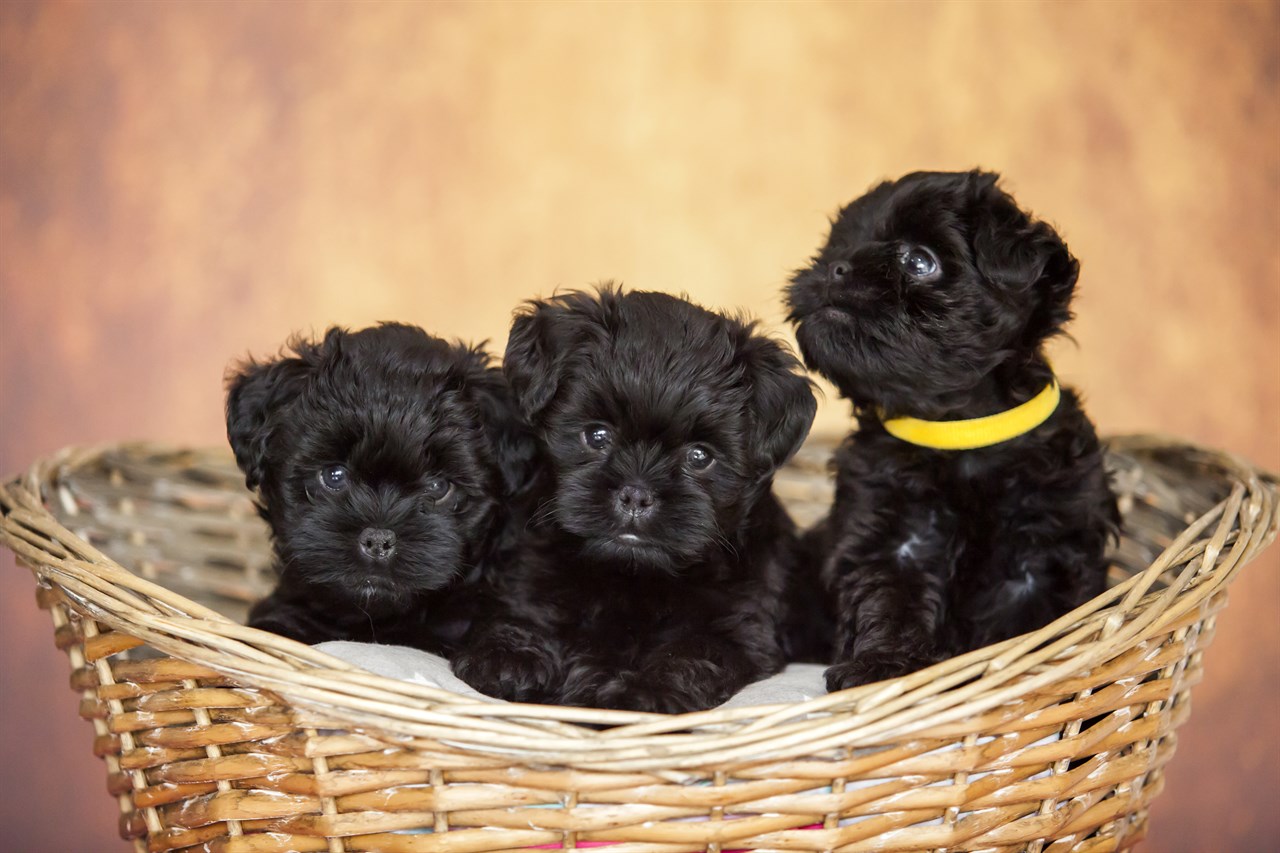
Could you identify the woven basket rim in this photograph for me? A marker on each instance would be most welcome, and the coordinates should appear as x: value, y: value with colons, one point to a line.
x: 337, y: 694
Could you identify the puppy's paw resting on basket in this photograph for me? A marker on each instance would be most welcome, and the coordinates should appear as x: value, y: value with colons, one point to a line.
x: 672, y: 686
x: 511, y: 662
x: 869, y: 667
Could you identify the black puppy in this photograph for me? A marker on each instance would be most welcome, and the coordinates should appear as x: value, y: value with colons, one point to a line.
x: 930, y: 303
x: 390, y: 466
x: 651, y: 577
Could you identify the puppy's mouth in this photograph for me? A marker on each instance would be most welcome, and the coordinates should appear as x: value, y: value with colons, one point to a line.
x: 824, y: 303
x: 379, y: 589
x: 830, y: 312
x: 632, y: 544
x: 828, y: 318
x: 631, y: 550
x: 373, y: 589
x: 374, y: 584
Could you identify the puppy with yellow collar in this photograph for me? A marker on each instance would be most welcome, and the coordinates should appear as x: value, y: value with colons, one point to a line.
x: 972, y: 504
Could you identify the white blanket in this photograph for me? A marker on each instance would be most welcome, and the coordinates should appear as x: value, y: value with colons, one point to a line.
x: 796, y: 683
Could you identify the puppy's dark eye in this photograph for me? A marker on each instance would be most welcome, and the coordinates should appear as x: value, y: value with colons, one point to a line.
x: 597, y: 437
x: 919, y: 262
x: 334, y: 477
x: 437, y: 489
x: 700, y: 457
x: 839, y: 271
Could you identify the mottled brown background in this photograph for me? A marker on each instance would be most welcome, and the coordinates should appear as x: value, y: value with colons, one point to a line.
x: 184, y: 183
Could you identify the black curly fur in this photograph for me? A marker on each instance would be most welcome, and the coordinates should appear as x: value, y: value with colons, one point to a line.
x: 930, y: 553
x: 397, y: 408
x: 672, y: 607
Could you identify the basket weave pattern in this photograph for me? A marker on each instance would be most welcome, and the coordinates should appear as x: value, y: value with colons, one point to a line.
x: 221, y: 737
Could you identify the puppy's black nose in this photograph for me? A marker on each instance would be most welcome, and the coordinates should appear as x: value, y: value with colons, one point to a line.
x: 377, y: 544
x: 633, y: 502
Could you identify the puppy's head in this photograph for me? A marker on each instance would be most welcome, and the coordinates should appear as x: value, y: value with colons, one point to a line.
x: 663, y: 421
x: 381, y: 457
x: 926, y: 286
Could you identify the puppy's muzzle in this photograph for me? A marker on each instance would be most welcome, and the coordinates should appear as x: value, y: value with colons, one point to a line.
x: 633, y: 503
x: 377, y: 544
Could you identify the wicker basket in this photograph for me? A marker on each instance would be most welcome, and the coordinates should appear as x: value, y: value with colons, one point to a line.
x: 221, y: 737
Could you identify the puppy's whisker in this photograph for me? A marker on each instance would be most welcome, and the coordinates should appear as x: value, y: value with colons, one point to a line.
x: 468, y: 571
x: 544, y: 513
x: 721, y: 538
x: 373, y: 631
x: 724, y: 541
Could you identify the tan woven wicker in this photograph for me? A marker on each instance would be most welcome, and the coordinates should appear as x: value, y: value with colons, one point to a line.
x: 220, y: 737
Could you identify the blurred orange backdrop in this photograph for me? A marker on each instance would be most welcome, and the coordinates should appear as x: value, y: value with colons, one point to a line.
x: 182, y: 184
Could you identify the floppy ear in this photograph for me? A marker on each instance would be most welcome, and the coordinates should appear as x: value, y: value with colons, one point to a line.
x: 512, y: 439
x: 255, y: 391
x: 1023, y: 257
x: 532, y: 361
x: 542, y: 337
x: 782, y: 401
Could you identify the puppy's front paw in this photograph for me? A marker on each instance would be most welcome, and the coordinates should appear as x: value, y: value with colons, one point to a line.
x: 510, y: 667
x: 870, y: 667
x: 678, y: 686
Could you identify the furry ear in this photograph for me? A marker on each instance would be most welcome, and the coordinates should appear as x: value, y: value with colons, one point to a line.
x: 782, y: 401
x: 511, y: 438
x: 541, y: 339
x: 255, y: 391
x: 1023, y: 257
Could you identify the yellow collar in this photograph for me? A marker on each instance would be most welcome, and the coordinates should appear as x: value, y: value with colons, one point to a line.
x: 978, y: 432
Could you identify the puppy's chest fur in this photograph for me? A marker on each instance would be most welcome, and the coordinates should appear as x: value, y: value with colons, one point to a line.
x: 618, y: 614
x: 627, y: 614
x: 1014, y: 533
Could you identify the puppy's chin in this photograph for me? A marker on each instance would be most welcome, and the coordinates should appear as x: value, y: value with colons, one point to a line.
x: 381, y: 588
x: 845, y: 349
x: 832, y: 332
x: 376, y: 594
x: 826, y: 335
x: 633, y: 553
x: 878, y: 358
x: 396, y: 588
